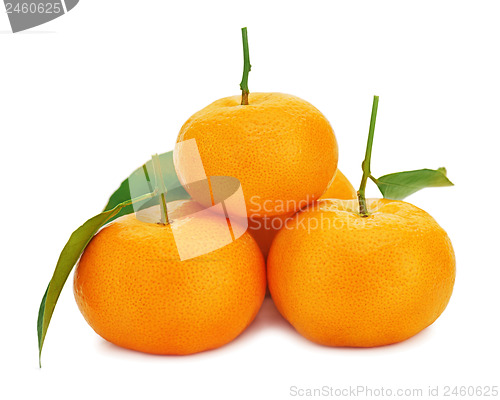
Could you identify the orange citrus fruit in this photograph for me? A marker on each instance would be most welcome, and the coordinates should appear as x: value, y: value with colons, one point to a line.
x: 340, y: 188
x: 281, y: 148
x: 134, y: 291
x: 264, y: 229
x: 344, y: 280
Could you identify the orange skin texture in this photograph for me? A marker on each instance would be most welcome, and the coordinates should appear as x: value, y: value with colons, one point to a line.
x: 361, y: 282
x: 264, y: 230
x: 280, y: 147
x: 134, y: 291
x: 340, y: 188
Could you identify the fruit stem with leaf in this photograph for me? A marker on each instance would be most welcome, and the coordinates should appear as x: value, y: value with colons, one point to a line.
x: 162, y: 189
x: 246, y: 68
x: 363, y: 211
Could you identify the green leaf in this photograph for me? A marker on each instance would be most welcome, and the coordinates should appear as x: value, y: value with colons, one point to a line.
x: 402, y: 184
x: 142, y: 180
x: 41, y: 313
x: 143, y: 183
x: 67, y: 260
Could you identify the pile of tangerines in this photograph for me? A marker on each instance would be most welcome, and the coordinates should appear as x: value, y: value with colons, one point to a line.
x: 342, y: 269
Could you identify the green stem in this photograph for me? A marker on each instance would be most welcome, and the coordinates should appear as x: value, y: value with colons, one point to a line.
x: 363, y: 211
x: 138, y: 200
x: 148, y: 179
x: 161, y: 188
x: 246, y: 68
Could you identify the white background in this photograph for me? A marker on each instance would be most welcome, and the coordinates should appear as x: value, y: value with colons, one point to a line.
x: 87, y: 98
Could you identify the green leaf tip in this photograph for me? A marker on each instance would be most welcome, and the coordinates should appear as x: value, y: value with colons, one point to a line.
x: 400, y: 185
x: 69, y: 256
x: 40, y: 333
